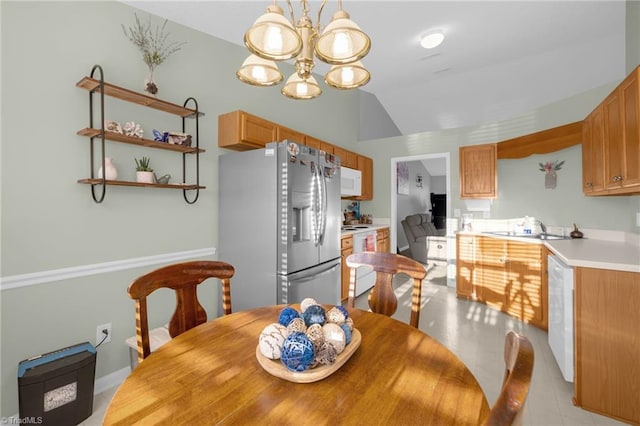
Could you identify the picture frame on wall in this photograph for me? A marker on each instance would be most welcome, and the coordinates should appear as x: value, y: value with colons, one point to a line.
x: 402, y: 170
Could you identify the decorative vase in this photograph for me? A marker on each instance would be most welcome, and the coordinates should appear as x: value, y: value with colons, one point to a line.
x: 111, y: 172
x: 144, y: 177
x: 550, y: 179
x: 150, y: 86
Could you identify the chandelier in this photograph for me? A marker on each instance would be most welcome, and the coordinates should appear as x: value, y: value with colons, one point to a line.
x: 272, y: 37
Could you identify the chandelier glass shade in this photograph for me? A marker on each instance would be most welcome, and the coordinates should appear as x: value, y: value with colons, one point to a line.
x: 274, y: 38
x: 259, y: 72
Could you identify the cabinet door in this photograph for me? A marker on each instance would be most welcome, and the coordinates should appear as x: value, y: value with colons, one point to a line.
x: 347, y: 158
x: 256, y: 130
x: 523, y: 283
x: 593, y: 152
x: 347, y: 250
x: 630, y: 99
x: 465, y: 265
x: 290, y: 135
x: 613, y: 143
x: 491, y: 288
x: 319, y: 144
x: 478, y: 177
x: 382, y: 240
x: 607, y: 352
x: 365, y: 165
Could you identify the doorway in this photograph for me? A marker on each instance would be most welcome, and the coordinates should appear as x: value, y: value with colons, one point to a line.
x: 439, y: 165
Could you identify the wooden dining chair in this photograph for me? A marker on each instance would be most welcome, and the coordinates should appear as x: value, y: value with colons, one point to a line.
x: 184, y: 279
x: 382, y: 298
x: 518, y: 358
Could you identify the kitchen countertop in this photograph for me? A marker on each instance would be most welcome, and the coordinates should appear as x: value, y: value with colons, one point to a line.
x: 369, y: 227
x: 586, y: 252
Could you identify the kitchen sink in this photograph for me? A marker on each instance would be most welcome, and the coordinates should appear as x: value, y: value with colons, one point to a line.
x: 541, y: 236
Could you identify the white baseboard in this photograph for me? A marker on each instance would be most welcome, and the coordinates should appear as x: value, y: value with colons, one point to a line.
x: 111, y: 380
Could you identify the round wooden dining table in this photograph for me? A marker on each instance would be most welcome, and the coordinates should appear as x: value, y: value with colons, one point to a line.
x: 210, y: 375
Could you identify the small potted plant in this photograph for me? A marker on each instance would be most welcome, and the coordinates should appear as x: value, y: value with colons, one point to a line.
x: 144, y: 173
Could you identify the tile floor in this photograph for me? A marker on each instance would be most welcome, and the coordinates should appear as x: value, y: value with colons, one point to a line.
x: 475, y: 333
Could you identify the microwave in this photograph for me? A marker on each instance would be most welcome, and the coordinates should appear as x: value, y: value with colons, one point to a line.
x: 350, y: 182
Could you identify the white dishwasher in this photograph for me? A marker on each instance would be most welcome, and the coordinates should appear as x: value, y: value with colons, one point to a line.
x: 561, y: 315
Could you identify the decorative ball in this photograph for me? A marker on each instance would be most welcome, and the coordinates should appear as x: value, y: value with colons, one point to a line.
x: 344, y: 310
x: 298, y: 352
x: 287, y: 314
x: 306, y: 303
x: 326, y: 355
x: 315, y: 314
x: 271, y: 340
x: 297, y: 324
x: 334, y: 334
x: 315, y: 334
x: 349, y: 323
x: 335, y: 316
x: 347, y: 333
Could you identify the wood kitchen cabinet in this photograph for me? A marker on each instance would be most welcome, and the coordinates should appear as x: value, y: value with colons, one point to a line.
x: 466, y: 277
x: 382, y: 240
x: 478, y: 171
x: 285, y: 133
x: 365, y: 165
x: 593, y: 152
x: 615, y: 124
x: 508, y: 275
x: 347, y: 158
x: 242, y: 131
x: 346, y: 244
x: 607, y: 339
x: 319, y: 144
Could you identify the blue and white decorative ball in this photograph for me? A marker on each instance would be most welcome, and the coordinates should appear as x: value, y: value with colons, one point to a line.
x: 287, y: 314
x: 297, y: 352
x: 315, y: 314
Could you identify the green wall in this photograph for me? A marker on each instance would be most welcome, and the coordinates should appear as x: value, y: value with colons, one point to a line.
x: 50, y: 223
x: 51, y: 227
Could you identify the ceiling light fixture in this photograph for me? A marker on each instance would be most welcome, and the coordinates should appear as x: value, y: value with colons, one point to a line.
x: 274, y: 38
x: 432, y: 40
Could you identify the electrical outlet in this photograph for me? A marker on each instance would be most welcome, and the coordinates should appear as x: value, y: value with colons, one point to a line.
x: 100, y: 334
x: 638, y: 219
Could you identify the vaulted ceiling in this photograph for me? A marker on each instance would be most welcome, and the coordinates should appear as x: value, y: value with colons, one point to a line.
x: 499, y: 58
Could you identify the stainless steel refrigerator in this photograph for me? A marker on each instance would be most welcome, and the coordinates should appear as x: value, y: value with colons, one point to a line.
x: 279, y: 224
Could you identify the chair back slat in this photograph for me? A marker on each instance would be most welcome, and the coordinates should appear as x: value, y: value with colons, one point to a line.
x: 382, y: 298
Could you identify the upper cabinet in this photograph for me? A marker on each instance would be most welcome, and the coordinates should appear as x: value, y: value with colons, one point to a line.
x: 593, y: 153
x: 478, y: 174
x: 365, y: 165
x: 241, y: 131
x: 611, y: 142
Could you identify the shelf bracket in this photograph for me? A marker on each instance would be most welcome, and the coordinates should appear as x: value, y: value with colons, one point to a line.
x: 184, y: 154
x: 104, y: 174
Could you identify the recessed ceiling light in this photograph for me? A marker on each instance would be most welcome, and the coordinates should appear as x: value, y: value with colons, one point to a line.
x: 432, y: 40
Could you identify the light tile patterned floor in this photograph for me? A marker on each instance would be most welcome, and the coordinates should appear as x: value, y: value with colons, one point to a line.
x: 475, y: 333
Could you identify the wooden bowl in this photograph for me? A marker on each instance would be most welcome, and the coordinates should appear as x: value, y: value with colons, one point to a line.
x: 276, y: 368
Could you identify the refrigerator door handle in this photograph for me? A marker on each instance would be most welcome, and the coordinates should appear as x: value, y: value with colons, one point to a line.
x: 323, y: 213
x: 301, y: 277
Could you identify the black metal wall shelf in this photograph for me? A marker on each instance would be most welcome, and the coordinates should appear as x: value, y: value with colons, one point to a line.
x: 106, y: 89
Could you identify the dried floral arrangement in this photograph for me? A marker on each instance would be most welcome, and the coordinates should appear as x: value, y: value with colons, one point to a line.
x: 550, y: 166
x: 154, y: 45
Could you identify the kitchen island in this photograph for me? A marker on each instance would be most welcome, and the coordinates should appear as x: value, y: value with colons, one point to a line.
x: 606, y: 313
